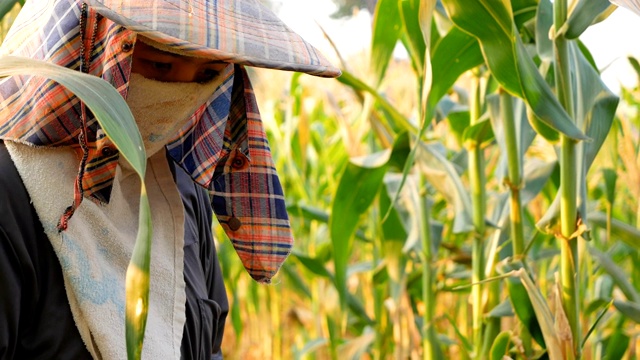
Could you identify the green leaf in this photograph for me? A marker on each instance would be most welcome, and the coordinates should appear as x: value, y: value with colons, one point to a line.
x: 628, y: 309
x: 356, y: 191
x: 544, y: 22
x: 587, y: 55
x: 634, y: 64
x: 501, y: 346
x: 7, y: 5
x: 481, y: 132
x: 425, y: 17
x: 619, y: 230
x: 464, y: 343
x: 458, y: 120
x: 453, y: 55
x: 610, y: 177
x: 619, y: 276
x: 387, y: 28
x: 105, y: 103
x: 543, y: 315
x: 604, y: 307
x: 504, y: 309
x: 116, y: 120
x: 595, y: 107
x: 317, y: 267
x: 443, y: 176
x: 492, y: 24
x: 314, y: 265
x: 416, y: 47
x: 358, y: 85
x: 616, y: 345
x: 406, y: 208
x: 523, y: 307
x: 392, y: 227
x: 308, y: 212
x: 542, y: 129
x: 583, y: 15
x: 356, y: 307
x: 523, y: 11
x: 295, y: 281
x: 310, y: 347
x: 137, y: 280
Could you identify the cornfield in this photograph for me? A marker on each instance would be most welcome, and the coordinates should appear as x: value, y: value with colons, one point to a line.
x: 478, y: 200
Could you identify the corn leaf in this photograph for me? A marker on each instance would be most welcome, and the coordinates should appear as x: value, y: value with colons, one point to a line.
x: 7, y: 5
x: 387, y: 28
x: 523, y: 307
x: 501, y: 346
x: 523, y: 11
x: 629, y: 309
x: 358, y: 85
x: 616, y: 345
x: 543, y: 314
x: 116, y: 120
x: 618, y: 275
x: 454, y: 54
x: 416, y: 47
x: 358, y: 187
x: 402, y: 222
x: 628, y: 234
x: 595, y: 107
x: 544, y: 22
x: 491, y: 22
x: 479, y: 133
x: 584, y: 14
x: 610, y: 178
x: 443, y: 176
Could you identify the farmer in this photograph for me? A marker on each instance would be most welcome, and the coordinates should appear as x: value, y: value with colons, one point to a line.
x: 69, y: 202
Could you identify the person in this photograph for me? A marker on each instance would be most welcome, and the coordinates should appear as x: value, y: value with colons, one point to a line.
x: 69, y: 201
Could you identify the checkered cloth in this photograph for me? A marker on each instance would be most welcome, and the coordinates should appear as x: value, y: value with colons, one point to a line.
x: 235, y: 31
x: 230, y: 156
x: 633, y: 5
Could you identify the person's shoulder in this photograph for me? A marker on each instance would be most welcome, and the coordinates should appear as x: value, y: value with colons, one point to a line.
x: 15, y: 203
x: 10, y: 181
x: 19, y: 222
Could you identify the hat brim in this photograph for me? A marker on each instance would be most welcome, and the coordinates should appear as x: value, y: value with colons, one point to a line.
x: 633, y: 5
x: 236, y: 31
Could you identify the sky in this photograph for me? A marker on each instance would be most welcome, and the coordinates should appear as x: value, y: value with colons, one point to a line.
x: 610, y: 41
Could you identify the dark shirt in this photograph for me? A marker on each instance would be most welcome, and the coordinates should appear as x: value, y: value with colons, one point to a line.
x: 35, y: 316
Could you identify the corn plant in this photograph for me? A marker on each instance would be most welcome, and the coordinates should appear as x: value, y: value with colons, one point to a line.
x: 565, y: 102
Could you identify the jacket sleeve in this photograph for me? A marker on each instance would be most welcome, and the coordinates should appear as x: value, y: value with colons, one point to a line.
x: 35, y: 317
x: 10, y: 283
x: 207, y: 305
x: 213, y: 272
x: 17, y: 271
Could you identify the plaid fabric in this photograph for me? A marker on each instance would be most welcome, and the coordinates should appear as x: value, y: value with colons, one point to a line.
x: 633, y: 5
x: 227, y: 154
x: 236, y: 31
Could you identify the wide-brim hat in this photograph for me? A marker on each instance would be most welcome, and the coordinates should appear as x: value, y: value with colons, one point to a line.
x: 633, y: 5
x: 237, y: 31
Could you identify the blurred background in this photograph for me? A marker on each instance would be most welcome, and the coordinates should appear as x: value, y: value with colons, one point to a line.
x: 317, y: 126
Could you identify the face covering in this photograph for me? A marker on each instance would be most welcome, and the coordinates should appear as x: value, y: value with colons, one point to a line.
x: 161, y: 109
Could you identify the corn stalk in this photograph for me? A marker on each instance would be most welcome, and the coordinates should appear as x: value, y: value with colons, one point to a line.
x: 569, y: 270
